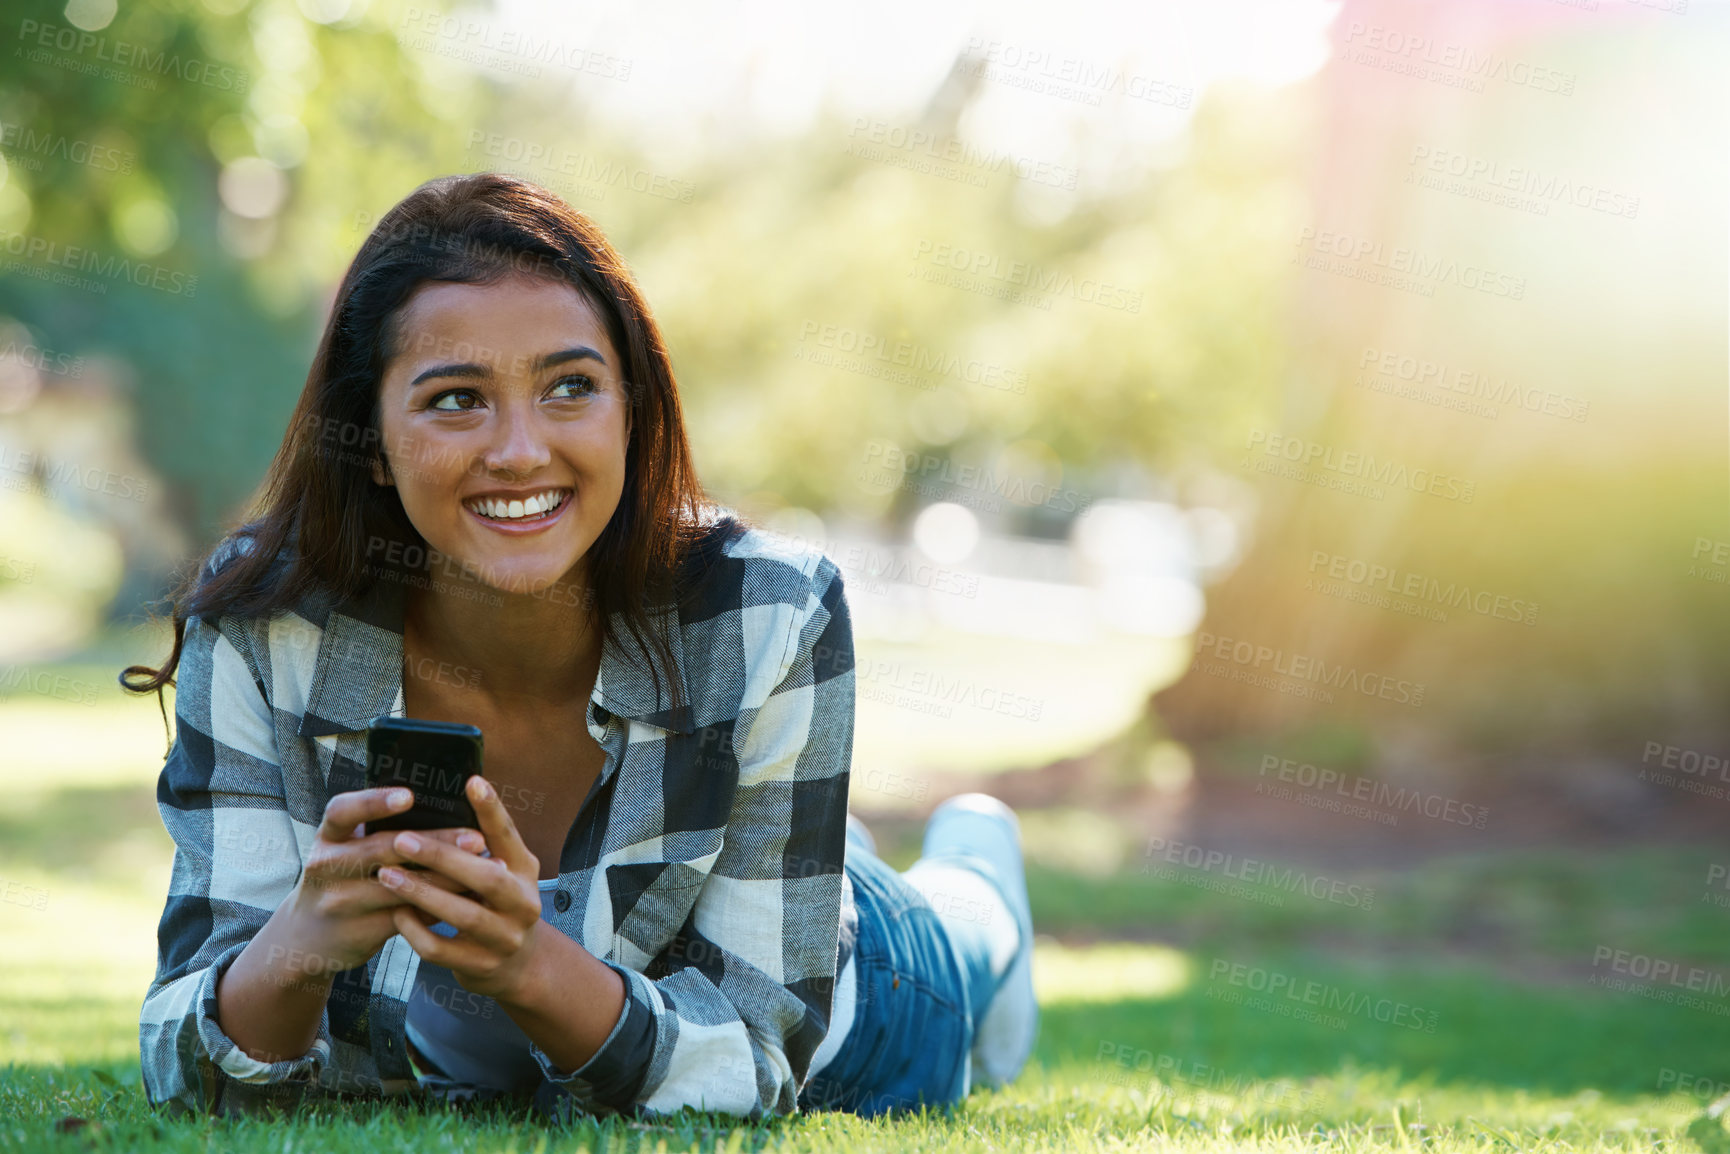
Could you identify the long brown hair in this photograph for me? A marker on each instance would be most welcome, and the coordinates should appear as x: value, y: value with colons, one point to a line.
x: 319, y: 515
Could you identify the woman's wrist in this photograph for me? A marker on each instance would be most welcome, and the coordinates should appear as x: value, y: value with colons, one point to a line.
x: 547, y: 976
x: 566, y: 1000
x: 271, y: 997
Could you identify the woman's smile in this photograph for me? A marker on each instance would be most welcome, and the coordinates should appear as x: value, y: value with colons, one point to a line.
x: 515, y: 514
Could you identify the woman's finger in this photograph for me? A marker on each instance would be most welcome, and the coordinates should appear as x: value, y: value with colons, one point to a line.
x: 435, y: 948
x: 380, y: 847
x: 353, y: 867
x: 503, y: 839
x: 489, y: 878
x: 344, y: 812
x: 361, y: 857
x: 462, y: 914
x: 463, y: 837
x: 372, y: 895
x: 434, y: 878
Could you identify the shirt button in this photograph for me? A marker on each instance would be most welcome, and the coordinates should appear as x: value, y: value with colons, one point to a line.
x: 561, y: 901
x: 602, y: 715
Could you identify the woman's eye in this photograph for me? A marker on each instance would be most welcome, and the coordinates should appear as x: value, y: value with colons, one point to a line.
x: 583, y: 384
x: 438, y: 402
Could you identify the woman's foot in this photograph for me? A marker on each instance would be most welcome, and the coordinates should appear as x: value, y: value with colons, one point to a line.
x: 981, y: 826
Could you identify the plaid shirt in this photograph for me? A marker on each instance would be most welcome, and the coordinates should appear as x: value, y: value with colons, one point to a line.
x: 705, y: 866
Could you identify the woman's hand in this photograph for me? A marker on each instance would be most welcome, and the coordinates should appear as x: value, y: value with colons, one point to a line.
x: 495, y: 922
x: 271, y: 997
x: 339, y: 914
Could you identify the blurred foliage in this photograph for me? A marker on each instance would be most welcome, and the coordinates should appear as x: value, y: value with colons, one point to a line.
x: 1159, y: 387
x: 353, y: 120
x: 764, y: 262
x: 341, y: 112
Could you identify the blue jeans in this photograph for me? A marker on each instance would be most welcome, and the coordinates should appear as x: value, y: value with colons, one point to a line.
x: 923, y: 983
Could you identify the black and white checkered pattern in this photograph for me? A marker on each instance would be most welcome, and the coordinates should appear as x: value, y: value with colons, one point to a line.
x: 705, y: 867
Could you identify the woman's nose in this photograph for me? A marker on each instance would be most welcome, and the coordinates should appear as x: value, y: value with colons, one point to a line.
x: 519, y: 445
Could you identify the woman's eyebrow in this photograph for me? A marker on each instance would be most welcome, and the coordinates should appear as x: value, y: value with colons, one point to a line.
x: 466, y: 369
x: 575, y: 353
x: 474, y: 370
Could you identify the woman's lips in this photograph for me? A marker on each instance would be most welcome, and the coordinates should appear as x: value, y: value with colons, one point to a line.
x: 525, y: 525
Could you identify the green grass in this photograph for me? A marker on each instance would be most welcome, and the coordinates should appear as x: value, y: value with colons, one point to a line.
x: 1506, y: 1068
x: 1145, y: 1043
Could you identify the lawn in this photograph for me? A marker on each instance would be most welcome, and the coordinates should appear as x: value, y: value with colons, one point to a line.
x: 1141, y: 1047
x: 1459, y: 1011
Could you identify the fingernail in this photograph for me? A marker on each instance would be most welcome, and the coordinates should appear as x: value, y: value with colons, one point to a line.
x: 399, y: 798
x: 390, y: 876
x: 407, y: 842
x: 484, y: 789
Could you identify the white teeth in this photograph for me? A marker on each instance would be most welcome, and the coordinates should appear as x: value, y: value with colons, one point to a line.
x: 517, y: 510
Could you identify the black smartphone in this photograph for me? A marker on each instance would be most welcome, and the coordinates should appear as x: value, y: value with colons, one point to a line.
x: 435, y: 759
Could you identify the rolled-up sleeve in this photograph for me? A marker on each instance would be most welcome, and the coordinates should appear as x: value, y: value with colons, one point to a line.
x: 236, y: 858
x: 733, y: 1027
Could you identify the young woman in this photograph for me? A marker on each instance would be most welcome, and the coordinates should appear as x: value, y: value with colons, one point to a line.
x: 485, y: 511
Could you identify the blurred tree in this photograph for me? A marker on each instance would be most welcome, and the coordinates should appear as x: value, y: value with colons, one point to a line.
x: 1554, y: 595
x: 207, y: 168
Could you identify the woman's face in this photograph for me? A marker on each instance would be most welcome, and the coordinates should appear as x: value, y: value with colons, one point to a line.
x: 502, y: 394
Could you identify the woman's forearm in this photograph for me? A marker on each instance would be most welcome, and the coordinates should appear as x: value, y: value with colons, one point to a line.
x: 271, y: 998
x: 568, y: 1001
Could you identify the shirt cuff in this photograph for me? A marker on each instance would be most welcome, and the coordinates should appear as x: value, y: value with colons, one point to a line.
x: 228, y: 1057
x: 610, y: 1079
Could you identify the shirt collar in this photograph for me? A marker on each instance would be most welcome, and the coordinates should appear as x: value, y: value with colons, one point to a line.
x: 357, y: 674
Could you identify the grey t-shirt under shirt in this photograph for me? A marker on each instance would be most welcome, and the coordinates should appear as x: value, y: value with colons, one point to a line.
x: 469, y: 1035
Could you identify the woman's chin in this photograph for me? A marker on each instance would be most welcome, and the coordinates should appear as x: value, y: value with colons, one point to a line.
x: 549, y: 583
x: 473, y: 572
